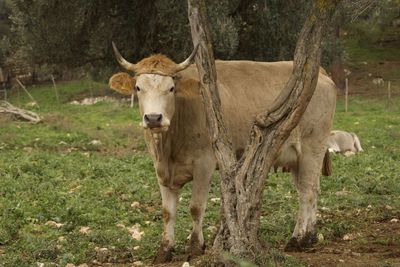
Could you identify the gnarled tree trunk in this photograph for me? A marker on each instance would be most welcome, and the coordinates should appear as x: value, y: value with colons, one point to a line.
x: 242, y: 181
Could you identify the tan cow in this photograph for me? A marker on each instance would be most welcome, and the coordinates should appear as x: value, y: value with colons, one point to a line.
x: 174, y: 123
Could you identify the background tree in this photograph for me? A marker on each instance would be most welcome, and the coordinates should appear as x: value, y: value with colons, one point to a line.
x: 73, y: 34
x: 5, y: 25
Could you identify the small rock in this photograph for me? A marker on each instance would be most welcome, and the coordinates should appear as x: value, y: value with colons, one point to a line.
x: 70, y: 265
x: 356, y: 254
x: 84, y: 230
x: 138, y: 263
x: 388, y: 207
x: 55, y: 224
x: 31, y: 104
x: 394, y: 220
x: 121, y: 225
x: 349, y: 153
x: 95, y: 142
x: 135, y: 205
x: 342, y: 193
x: 320, y: 237
x: 28, y: 149
x: 102, y: 254
x: 349, y: 237
x: 212, y: 229
x: 40, y: 264
x: 135, y: 232
x: 340, y: 260
x: 186, y: 264
x: 215, y: 199
x: 136, y: 248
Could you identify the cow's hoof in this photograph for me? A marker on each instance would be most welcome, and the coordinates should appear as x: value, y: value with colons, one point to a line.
x: 164, y: 254
x: 298, y: 245
x: 194, y: 249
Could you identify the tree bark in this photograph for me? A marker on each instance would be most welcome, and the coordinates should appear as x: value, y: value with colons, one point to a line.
x: 242, y: 181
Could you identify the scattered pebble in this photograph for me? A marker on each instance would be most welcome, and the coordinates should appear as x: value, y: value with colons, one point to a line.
x: 215, y: 199
x: 349, y: 153
x: 120, y: 225
x: 135, y: 232
x: 320, y: 237
x: 340, y: 260
x: 186, y: 264
x: 135, y: 205
x: 95, y: 142
x: 342, y: 193
x: 349, y: 237
x: 102, y: 254
x: 84, y: 230
x: 93, y: 100
x: 55, y: 224
x: 394, y: 220
x: 212, y: 229
x: 138, y: 263
x: 136, y: 248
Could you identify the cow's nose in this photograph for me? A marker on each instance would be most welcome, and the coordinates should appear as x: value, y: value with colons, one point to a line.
x: 153, y: 120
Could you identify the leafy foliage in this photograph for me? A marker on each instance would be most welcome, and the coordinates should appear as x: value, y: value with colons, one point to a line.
x: 74, y: 34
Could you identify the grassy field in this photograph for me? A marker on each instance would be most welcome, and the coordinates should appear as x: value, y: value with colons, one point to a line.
x: 66, y: 199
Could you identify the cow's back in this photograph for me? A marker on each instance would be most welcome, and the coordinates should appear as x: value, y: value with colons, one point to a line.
x: 247, y: 87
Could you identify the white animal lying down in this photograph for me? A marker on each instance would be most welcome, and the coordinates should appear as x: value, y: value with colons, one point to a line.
x: 344, y: 142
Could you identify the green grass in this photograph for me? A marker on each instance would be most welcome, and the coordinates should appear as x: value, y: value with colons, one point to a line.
x: 51, y: 172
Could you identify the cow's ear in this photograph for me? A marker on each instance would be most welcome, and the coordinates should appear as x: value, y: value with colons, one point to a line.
x: 122, y: 83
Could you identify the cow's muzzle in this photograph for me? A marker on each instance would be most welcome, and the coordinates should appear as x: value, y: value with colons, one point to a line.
x: 153, y: 120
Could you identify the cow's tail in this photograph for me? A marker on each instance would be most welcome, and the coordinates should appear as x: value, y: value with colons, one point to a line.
x: 357, y: 143
x: 327, y: 164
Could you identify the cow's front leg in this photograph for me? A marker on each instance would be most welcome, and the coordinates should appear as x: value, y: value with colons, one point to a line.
x: 169, y: 204
x: 201, y: 185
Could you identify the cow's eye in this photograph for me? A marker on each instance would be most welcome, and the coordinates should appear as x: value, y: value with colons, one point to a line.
x: 172, y: 89
x: 137, y: 88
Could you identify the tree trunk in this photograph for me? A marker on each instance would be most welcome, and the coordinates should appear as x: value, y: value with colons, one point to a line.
x: 242, y: 181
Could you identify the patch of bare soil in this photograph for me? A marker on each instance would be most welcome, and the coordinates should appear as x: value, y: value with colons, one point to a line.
x: 376, y: 245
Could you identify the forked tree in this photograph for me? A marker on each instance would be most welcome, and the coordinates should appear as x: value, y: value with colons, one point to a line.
x: 242, y: 181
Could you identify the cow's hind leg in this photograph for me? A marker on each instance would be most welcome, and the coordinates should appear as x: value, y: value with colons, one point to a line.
x: 201, y: 185
x: 169, y: 204
x: 306, y: 178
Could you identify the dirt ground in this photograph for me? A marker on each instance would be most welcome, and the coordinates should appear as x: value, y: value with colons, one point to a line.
x: 377, y: 245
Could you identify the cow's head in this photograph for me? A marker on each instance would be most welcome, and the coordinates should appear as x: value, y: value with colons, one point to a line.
x: 154, y: 85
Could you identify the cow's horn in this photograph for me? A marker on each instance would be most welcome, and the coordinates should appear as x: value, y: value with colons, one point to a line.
x: 186, y: 63
x: 122, y: 61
